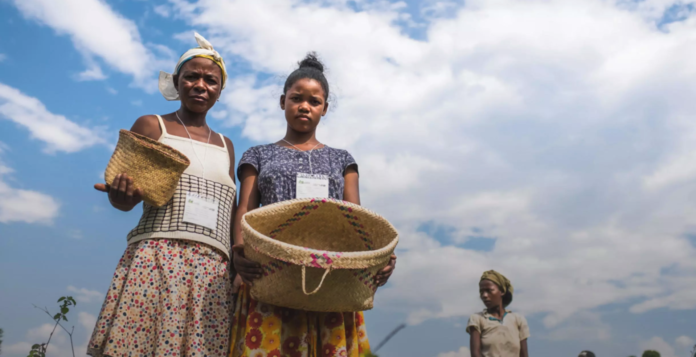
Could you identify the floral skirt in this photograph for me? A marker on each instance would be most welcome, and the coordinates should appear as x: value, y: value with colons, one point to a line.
x: 263, y: 330
x: 167, y: 298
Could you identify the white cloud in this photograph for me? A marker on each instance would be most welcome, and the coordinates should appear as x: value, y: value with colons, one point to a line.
x: 59, y: 133
x: 87, y: 321
x: 104, y: 34
x: 75, y: 234
x: 85, y: 295
x: 3, y: 57
x: 92, y: 73
x: 111, y: 90
x: 584, y: 326
x: 685, y: 341
x: 562, y: 128
x: 163, y: 10
x: 20, y: 205
x: 462, y: 352
x: 60, y: 343
x: 658, y: 344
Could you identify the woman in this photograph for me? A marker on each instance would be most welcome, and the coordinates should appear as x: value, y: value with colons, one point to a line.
x: 267, y: 174
x: 171, y: 293
x: 497, y: 332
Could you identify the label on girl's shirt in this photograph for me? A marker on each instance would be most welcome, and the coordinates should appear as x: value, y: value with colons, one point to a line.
x: 312, y: 186
x: 201, y: 211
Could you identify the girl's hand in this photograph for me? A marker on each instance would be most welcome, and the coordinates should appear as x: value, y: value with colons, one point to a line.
x: 123, y: 194
x: 248, y: 270
x: 236, y: 284
x: 385, y: 273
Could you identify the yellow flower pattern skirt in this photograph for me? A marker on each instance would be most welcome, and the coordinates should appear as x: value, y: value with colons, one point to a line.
x: 263, y: 330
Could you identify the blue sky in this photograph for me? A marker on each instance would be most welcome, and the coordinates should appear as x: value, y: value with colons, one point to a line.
x: 551, y: 140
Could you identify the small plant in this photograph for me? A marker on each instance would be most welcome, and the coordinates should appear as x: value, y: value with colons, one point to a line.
x: 39, y: 349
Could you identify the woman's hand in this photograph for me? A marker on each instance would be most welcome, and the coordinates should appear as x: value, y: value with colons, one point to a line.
x: 385, y: 273
x: 123, y: 194
x: 248, y: 270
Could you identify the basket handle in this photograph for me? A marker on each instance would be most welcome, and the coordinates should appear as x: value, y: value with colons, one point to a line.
x: 304, y: 281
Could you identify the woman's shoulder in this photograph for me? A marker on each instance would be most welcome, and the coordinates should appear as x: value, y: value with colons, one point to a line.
x: 147, y: 125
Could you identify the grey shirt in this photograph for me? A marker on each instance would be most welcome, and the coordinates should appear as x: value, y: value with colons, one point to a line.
x: 278, y: 166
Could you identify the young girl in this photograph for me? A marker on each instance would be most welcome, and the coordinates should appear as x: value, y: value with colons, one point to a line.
x: 170, y: 295
x: 497, y: 332
x: 267, y: 174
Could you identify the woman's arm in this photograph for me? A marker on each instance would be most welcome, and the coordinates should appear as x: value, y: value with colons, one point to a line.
x: 351, y: 193
x: 122, y: 193
x: 475, y: 343
x: 248, y: 200
x: 523, y: 348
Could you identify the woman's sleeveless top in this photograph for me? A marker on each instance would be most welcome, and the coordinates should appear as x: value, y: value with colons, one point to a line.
x: 210, y: 179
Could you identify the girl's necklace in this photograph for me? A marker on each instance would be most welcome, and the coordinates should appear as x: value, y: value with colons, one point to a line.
x: 308, y: 152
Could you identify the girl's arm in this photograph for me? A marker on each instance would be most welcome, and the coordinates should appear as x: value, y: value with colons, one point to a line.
x: 351, y: 190
x: 523, y: 348
x: 475, y: 343
x: 122, y: 193
x: 351, y: 193
x: 248, y: 200
x: 230, y: 149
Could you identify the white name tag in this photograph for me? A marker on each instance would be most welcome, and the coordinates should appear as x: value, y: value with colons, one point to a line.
x: 312, y: 186
x: 201, y: 211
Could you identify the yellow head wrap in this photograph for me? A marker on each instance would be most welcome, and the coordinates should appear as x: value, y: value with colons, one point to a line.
x: 499, y: 279
x: 205, y: 50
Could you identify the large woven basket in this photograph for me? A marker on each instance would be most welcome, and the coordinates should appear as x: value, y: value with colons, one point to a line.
x: 317, y: 254
x: 154, y: 167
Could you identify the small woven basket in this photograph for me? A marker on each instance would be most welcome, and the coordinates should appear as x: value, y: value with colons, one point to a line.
x: 317, y: 254
x: 154, y: 167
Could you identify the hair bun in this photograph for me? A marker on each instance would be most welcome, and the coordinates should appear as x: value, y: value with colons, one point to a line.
x: 311, y: 61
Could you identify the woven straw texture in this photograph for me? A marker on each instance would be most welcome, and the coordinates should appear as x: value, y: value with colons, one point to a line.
x: 317, y: 254
x: 154, y: 167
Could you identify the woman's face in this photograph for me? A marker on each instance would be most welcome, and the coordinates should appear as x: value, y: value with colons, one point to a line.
x: 490, y: 294
x: 199, y: 84
x: 304, y: 105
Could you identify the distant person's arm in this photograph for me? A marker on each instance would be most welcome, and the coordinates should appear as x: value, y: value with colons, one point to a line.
x: 475, y: 343
x: 524, y: 335
x: 523, y: 348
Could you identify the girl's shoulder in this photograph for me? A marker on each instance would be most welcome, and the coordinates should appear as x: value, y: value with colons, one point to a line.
x: 259, y: 149
x: 341, y: 154
x: 336, y: 150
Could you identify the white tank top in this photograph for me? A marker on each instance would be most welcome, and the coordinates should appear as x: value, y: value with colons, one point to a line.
x: 207, y: 175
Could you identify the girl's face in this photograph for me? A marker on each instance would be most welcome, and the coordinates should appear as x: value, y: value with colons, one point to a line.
x: 304, y: 105
x: 490, y: 294
x: 199, y: 83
